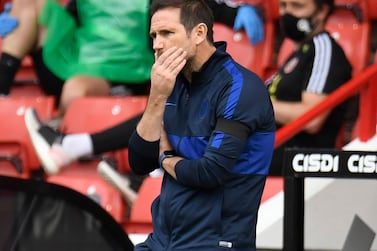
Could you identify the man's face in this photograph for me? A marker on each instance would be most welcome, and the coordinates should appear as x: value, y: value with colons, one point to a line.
x: 167, y: 31
x: 297, y: 8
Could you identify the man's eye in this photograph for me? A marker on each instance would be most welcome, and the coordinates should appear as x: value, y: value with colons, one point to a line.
x: 166, y: 33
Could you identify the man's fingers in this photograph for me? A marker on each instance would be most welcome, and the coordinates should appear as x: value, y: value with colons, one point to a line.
x: 172, y: 60
x: 163, y: 56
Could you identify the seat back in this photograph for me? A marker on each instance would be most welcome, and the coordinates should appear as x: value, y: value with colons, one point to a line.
x: 257, y: 58
x: 140, y: 218
x: 351, y: 29
x: 17, y: 155
x: 86, y: 181
x: 26, y: 90
x: 372, y: 10
x: 93, y: 114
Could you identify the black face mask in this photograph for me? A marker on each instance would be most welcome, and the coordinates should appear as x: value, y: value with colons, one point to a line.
x: 295, y: 28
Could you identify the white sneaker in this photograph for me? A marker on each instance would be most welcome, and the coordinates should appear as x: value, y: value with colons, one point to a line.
x: 122, y: 183
x: 46, y: 142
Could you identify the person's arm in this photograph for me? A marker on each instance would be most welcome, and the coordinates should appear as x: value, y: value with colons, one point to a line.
x: 144, y: 144
x: 142, y: 155
x: 212, y: 169
x: 286, y: 112
x: 324, y: 76
x: 163, y: 76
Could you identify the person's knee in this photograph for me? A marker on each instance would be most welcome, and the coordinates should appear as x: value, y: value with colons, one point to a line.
x: 81, y: 86
x: 72, y: 89
x: 86, y: 86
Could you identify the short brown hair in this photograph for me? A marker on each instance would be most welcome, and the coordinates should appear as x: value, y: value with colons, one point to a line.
x: 193, y: 12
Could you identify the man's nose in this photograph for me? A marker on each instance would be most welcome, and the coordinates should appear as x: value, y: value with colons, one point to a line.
x: 157, y: 44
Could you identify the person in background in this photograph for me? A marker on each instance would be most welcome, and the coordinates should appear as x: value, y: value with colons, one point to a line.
x: 83, y: 49
x: 317, y: 67
x: 209, y: 124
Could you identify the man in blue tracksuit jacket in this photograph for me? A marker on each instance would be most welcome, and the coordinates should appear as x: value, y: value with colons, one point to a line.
x: 209, y: 124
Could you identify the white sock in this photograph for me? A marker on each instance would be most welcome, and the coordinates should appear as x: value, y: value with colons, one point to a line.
x: 77, y: 145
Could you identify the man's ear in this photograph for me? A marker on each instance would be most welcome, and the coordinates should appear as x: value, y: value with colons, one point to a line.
x: 200, y: 33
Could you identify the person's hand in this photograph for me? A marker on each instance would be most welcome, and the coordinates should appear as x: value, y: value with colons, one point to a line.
x: 7, y: 23
x: 167, y: 66
x: 248, y: 19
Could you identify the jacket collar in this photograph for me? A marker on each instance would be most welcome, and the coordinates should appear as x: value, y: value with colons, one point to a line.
x: 210, y: 68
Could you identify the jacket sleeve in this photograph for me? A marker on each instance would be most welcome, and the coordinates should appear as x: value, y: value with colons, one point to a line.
x: 142, y: 155
x: 214, y: 168
x: 241, y: 142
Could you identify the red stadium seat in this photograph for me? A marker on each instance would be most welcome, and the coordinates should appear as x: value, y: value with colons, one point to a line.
x: 352, y: 30
x: 372, y: 10
x: 257, y: 58
x: 26, y: 90
x: 140, y: 218
x: 86, y: 181
x: 17, y: 155
x: 92, y: 114
x: 362, y: 7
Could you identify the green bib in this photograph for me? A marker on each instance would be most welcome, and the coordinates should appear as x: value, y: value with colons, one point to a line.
x: 111, y: 40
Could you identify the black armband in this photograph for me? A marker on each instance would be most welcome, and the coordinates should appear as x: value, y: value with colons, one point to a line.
x: 234, y: 128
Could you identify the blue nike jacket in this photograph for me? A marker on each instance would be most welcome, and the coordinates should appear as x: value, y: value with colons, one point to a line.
x: 223, y: 124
